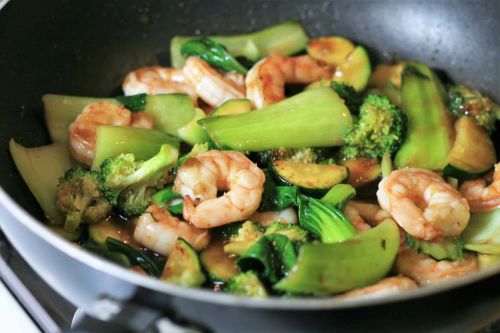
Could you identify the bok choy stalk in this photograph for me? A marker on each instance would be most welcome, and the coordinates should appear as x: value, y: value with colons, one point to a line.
x: 339, y: 195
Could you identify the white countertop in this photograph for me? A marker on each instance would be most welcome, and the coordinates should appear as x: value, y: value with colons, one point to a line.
x: 12, y: 315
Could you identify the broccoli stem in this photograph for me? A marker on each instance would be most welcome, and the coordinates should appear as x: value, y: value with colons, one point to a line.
x: 386, y: 165
x: 339, y: 195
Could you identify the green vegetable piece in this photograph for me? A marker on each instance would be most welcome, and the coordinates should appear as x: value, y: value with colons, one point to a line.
x: 41, y: 168
x: 135, y: 103
x: 171, y: 112
x: 112, y: 141
x: 247, y: 235
x: 430, y: 127
x: 488, y: 260
x: 135, y: 256
x: 183, y: 266
x: 450, y: 249
x: 291, y: 123
x: 386, y: 166
x: 464, y: 101
x: 102, y: 251
x: 324, y: 220
x: 213, y: 53
x: 339, y: 195
x: 472, y: 153
x: 482, y: 234
x: 233, y: 107
x: 323, y: 269
x: 277, y: 197
x: 80, y: 198
x: 286, y: 38
x: 292, y: 231
x: 351, y: 97
x: 272, y: 257
x: 130, y: 184
x: 219, y: 265
x: 192, y: 132
x: 99, y: 232
x: 163, y: 197
x: 355, y: 70
x: 380, y: 130
x: 195, y: 151
x: 246, y: 284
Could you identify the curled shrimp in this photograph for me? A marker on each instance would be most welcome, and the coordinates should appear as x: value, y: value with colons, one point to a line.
x: 157, y: 80
x: 158, y: 230
x: 424, y: 269
x: 384, y: 287
x: 423, y: 204
x: 353, y: 215
x: 365, y: 215
x: 82, y: 131
x: 265, y: 82
x: 199, y: 179
x: 213, y: 87
x: 483, y: 197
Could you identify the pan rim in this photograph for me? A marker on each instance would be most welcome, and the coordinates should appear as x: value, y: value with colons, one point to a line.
x: 208, y: 296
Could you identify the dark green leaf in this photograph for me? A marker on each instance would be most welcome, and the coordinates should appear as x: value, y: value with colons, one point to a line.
x: 134, y: 255
x: 135, y: 103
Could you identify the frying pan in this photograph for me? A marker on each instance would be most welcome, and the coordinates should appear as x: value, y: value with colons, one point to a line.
x: 86, y: 47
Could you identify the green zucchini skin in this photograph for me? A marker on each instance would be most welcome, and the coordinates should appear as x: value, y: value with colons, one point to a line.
x: 312, y: 179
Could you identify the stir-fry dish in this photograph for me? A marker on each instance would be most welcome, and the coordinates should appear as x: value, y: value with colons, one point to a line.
x: 273, y: 164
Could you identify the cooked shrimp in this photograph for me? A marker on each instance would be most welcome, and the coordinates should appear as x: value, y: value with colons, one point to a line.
x: 265, y: 82
x: 384, y: 287
x: 213, y: 87
x: 82, y: 131
x: 353, y: 215
x: 483, y: 197
x: 423, y: 204
x: 285, y: 216
x: 157, y: 80
x: 200, y: 177
x: 158, y: 230
x: 424, y: 269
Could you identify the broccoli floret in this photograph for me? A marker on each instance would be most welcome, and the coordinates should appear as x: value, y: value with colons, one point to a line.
x: 246, y: 284
x: 247, y: 235
x: 350, y: 96
x: 302, y: 155
x: 379, y: 130
x: 129, y: 184
x: 465, y: 101
x: 80, y: 198
x: 292, y: 231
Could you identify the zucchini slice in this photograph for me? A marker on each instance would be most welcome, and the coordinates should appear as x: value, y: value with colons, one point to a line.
x: 314, y: 179
x: 219, y: 265
x: 232, y: 107
x: 472, y: 152
x: 183, y: 266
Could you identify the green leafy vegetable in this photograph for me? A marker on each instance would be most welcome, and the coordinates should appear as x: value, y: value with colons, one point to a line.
x: 213, y: 53
x: 351, y: 97
x: 339, y: 195
x: 246, y: 284
x: 135, y: 103
x: 134, y: 255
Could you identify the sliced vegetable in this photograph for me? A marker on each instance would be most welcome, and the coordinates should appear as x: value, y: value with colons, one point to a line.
x: 311, y: 178
x: 72, y: 236
x: 449, y: 249
x: 246, y: 284
x: 134, y: 255
x: 277, y: 197
x: 286, y: 38
x: 362, y: 171
x: 333, y: 49
x: 482, y: 234
x: 387, y: 74
x: 183, y: 266
x: 488, y: 260
x: 430, y: 128
x: 324, y: 220
x: 134, y: 103
x: 291, y: 123
x: 170, y: 112
x: 473, y: 152
x: 355, y: 70
x: 102, y: 251
x: 233, y: 107
x: 339, y: 195
x: 357, y: 262
x: 292, y: 231
x: 40, y: 169
x: 115, y: 140
x: 244, y: 238
x: 272, y: 257
x: 219, y: 265
x: 193, y: 133
x: 213, y: 53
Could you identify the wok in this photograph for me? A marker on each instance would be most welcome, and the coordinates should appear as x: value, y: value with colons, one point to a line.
x: 86, y: 47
